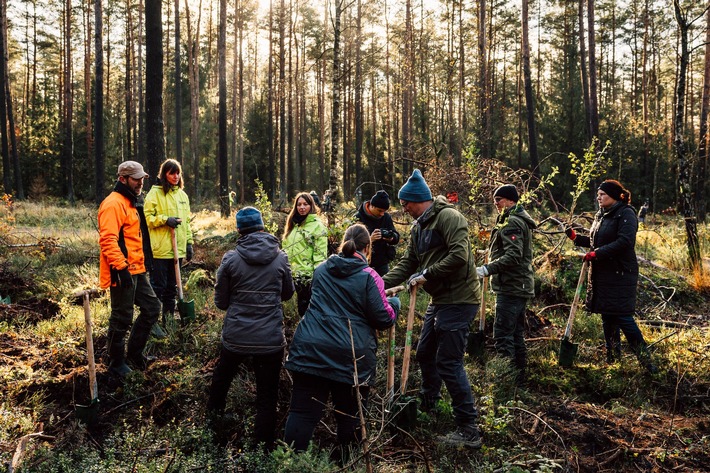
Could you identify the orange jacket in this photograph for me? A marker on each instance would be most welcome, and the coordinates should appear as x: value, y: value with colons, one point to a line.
x: 118, y: 215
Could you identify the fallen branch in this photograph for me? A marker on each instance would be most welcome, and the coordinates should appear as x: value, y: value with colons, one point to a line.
x: 564, y: 447
x: 664, y: 323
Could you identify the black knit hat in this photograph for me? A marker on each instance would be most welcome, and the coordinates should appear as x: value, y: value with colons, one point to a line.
x: 614, y: 190
x: 249, y: 220
x: 381, y: 200
x: 507, y: 191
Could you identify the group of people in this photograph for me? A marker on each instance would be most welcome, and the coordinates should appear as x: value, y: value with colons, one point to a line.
x: 342, y: 300
x: 136, y: 238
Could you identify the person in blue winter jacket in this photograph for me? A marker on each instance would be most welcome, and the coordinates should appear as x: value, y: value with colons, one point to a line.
x: 252, y: 282
x: 348, y: 298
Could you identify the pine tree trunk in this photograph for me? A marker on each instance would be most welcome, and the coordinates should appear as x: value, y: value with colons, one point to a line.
x: 583, y: 70
x: 222, y: 155
x: 593, y: 97
x: 99, y: 161
x: 703, y: 138
x: 529, y: 100
x: 681, y: 148
x: 359, y: 113
x: 68, y: 100
x: 4, y: 147
x: 155, y: 145
x: 335, y: 119
x: 178, y: 86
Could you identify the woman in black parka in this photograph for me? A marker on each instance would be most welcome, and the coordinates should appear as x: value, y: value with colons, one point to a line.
x: 613, y: 270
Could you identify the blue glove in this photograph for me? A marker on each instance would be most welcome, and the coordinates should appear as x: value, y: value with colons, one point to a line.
x: 173, y: 222
x: 417, y: 279
x: 395, y: 303
x: 189, y: 252
x: 122, y: 278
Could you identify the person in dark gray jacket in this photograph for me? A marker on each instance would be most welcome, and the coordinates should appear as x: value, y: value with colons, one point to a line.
x: 348, y: 300
x: 614, y: 271
x: 252, y: 282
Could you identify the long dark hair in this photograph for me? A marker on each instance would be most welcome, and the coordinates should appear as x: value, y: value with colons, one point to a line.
x: 169, y: 166
x: 356, y: 238
x: 289, y: 220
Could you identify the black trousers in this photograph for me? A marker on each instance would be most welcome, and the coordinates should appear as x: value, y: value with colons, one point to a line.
x: 267, y: 369
x: 309, y: 398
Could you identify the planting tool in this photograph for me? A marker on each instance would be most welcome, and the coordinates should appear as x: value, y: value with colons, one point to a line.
x: 88, y: 414
x: 391, y: 345
x: 186, y: 309
x: 568, y: 350
x: 408, y: 339
x: 477, y: 340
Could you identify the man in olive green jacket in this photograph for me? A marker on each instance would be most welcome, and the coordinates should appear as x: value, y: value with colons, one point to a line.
x: 439, y: 258
x: 512, y: 275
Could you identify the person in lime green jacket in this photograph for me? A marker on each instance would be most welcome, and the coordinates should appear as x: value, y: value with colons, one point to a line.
x: 167, y: 208
x: 306, y: 244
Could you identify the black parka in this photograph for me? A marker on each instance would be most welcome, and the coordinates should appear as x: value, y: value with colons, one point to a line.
x: 613, y: 274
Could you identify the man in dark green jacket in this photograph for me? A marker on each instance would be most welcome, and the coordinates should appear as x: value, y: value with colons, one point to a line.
x: 439, y: 258
x: 512, y: 275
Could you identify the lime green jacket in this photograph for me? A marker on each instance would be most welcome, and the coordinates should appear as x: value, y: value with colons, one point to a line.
x: 306, y: 246
x: 158, y: 207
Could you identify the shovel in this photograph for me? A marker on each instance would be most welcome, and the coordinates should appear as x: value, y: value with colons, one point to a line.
x: 186, y: 309
x: 477, y: 341
x: 568, y: 350
x: 89, y: 414
x: 391, y: 345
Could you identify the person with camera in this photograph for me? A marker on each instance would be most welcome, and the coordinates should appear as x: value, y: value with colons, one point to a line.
x: 439, y: 258
x: 373, y: 214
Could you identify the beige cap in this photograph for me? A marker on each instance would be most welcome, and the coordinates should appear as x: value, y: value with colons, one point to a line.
x: 132, y: 169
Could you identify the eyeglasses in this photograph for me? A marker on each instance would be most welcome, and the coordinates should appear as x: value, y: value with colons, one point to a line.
x: 497, y: 199
x: 404, y: 203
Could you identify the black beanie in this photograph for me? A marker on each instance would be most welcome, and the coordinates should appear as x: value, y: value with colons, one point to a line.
x: 508, y: 191
x: 381, y: 200
x: 614, y: 190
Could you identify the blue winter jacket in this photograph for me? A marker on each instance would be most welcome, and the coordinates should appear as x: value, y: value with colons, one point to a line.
x: 344, y: 289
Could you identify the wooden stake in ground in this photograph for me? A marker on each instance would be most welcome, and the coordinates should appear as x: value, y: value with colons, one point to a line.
x: 408, y: 338
x: 363, y: 425
x: 391, y: 345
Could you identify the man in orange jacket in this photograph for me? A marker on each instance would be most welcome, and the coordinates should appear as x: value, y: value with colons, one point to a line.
x: 122, y: 229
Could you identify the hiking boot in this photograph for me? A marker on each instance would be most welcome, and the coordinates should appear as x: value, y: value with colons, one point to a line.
x: 119, y: 369
x: 463, y: 437
x: 141, y: 362
x: 157, y: 332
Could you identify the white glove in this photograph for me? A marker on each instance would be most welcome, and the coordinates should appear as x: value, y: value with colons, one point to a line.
x: 482, y: 272
x: 417, y: 279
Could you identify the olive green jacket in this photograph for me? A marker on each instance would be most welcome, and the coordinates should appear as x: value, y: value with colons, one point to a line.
x: 440, y: 244
x: 510, y: 254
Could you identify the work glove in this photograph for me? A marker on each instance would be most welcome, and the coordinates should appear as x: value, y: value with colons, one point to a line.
x: 482, y: 272
x: 172, y: 222
x: 122, y: 278
x: 395, y: 303
x: 189, y: 252
x: 590, y: 256
x: 571, y: 234
x: 417, y: 279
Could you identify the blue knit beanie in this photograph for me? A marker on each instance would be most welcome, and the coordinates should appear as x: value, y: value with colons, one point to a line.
x: 249, y: 220
x: 415, y: 189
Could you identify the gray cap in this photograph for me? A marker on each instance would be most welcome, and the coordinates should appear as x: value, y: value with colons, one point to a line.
x: 131, y: 169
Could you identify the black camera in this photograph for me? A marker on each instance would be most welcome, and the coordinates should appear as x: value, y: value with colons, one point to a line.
x: 387, y: 234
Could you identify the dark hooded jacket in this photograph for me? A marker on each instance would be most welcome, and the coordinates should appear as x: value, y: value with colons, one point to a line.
x: 344, y: 289
x: 382, y: 252
x: 510, y: 254
x: 613, y: 274
x: 252, y: 281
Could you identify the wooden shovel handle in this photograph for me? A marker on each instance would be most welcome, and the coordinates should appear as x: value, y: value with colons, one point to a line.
x: 575, y: 302
x: 93, y: 386
x: 482, y: 320
x: 408, y: 339
x: 176, y: 262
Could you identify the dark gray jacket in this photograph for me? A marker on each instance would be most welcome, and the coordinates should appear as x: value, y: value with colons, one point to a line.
x: 344, y: 289
x: 614, y: 274
x: 252, y: 281
x: 510, y: 254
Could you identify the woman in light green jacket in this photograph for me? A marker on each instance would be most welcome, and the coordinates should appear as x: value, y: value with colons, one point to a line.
x: 167, y: 208
x: 306, y: 244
